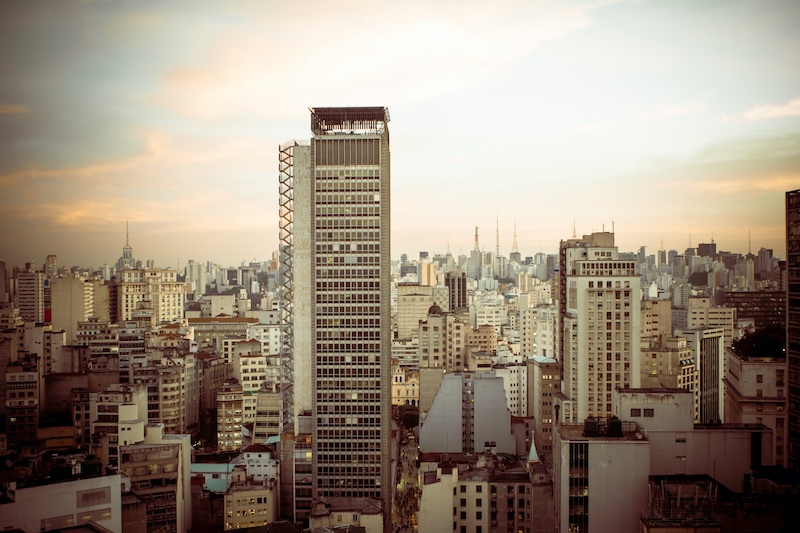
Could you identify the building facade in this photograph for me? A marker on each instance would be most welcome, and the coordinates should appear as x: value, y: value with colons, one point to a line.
x: 793, y: 321
x: 340, y: 267
x: 599, y: 325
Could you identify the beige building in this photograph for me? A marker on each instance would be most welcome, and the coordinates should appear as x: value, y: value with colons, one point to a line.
x: 229, y: 417
x: 474, y: 492
x: 29, y: 296
x: 669, y: 364
x: 756, y: 393
x: 159, y: 469
x: 405, y: 385
x: 268, y: 412
x: 442, y: 340
x: 544, y: 381
x: 250, y: 503
x: 538, y: 329
x: 656, y: 322
x: 211, y: 332
x: 120, y: 414
x: 701, y: 313
x: 599, y: 323
x: 77, y: 299
x: 413, y: 303
x: 252, y: 370
x: 481, y: 339
x: 160, y: 287
x: 338, y: 512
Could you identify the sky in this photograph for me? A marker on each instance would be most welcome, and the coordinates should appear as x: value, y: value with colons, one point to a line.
x: 672, y: 122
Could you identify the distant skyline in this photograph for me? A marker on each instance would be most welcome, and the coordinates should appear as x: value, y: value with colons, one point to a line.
x: 670, y: 120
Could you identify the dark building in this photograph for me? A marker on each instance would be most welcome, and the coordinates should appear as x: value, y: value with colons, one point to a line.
x: 766, y: 308
x: 456, y: 283
x: 707, y: 249
x: 793, y: 322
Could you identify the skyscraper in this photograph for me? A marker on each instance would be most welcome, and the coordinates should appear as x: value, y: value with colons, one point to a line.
x: 336, y: 355
x: 793, y: 322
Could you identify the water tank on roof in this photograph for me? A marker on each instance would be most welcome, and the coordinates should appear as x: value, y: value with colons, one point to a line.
x: 591, y: 427
x: 614, y: 427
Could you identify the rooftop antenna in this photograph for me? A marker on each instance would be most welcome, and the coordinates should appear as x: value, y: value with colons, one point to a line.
x: 574, y: 235
x: 612, y: 226
x: 127, y: 234
x: 514, y: 245
x: 749, y: 244
x: 448, y: 247
x: 497, y: 236
x: 477, y: 248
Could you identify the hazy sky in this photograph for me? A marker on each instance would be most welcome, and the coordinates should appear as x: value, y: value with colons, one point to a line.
x: 666, y: 118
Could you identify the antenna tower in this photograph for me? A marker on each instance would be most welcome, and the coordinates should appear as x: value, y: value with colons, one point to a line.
x: 515, y: 246
x: 497, y: 236
x: 478, y: 248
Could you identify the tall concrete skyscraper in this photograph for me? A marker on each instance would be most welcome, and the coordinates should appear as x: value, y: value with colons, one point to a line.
x: 335, y: 271
x: 793, y: 322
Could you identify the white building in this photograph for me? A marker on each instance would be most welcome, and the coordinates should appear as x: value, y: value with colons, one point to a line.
x: 65, y: 504
x: 600, y: 476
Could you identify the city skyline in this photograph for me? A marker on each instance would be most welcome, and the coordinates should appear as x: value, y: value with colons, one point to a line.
x: 673, y: 123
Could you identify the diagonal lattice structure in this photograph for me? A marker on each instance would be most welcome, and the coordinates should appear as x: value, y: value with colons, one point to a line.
x: 286, y: 277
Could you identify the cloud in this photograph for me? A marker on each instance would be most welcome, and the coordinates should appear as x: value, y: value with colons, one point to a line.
x: 765, y: 112
x: 10, y: 109
x: 428, y: 49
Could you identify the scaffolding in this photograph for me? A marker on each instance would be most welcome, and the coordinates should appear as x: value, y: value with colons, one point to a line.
x: 286, y: 277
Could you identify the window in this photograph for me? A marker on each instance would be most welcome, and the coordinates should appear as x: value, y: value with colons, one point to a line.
x: 463, y: 502
x: 479, y: 502
x: 759, y: 378
x: 636, y: 412
x: 649, y: 412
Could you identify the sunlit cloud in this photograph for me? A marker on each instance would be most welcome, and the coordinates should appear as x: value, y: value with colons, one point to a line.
x: 427, y: 50
x: 765, y: 112
x: 10, y: 109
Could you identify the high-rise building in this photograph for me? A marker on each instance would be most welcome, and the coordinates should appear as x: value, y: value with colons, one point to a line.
x: 456, y: 283
x: 30, y: 294
x: 793, y: 322
x: 334, y: 194
x: 599, y: 321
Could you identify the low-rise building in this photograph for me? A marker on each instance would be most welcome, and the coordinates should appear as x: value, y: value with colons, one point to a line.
x: 250, y: 502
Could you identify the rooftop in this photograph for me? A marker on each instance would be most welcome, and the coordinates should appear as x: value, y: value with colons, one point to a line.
x: 349, y: 120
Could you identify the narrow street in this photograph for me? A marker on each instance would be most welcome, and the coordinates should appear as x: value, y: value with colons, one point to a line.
x: 406, y: 504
